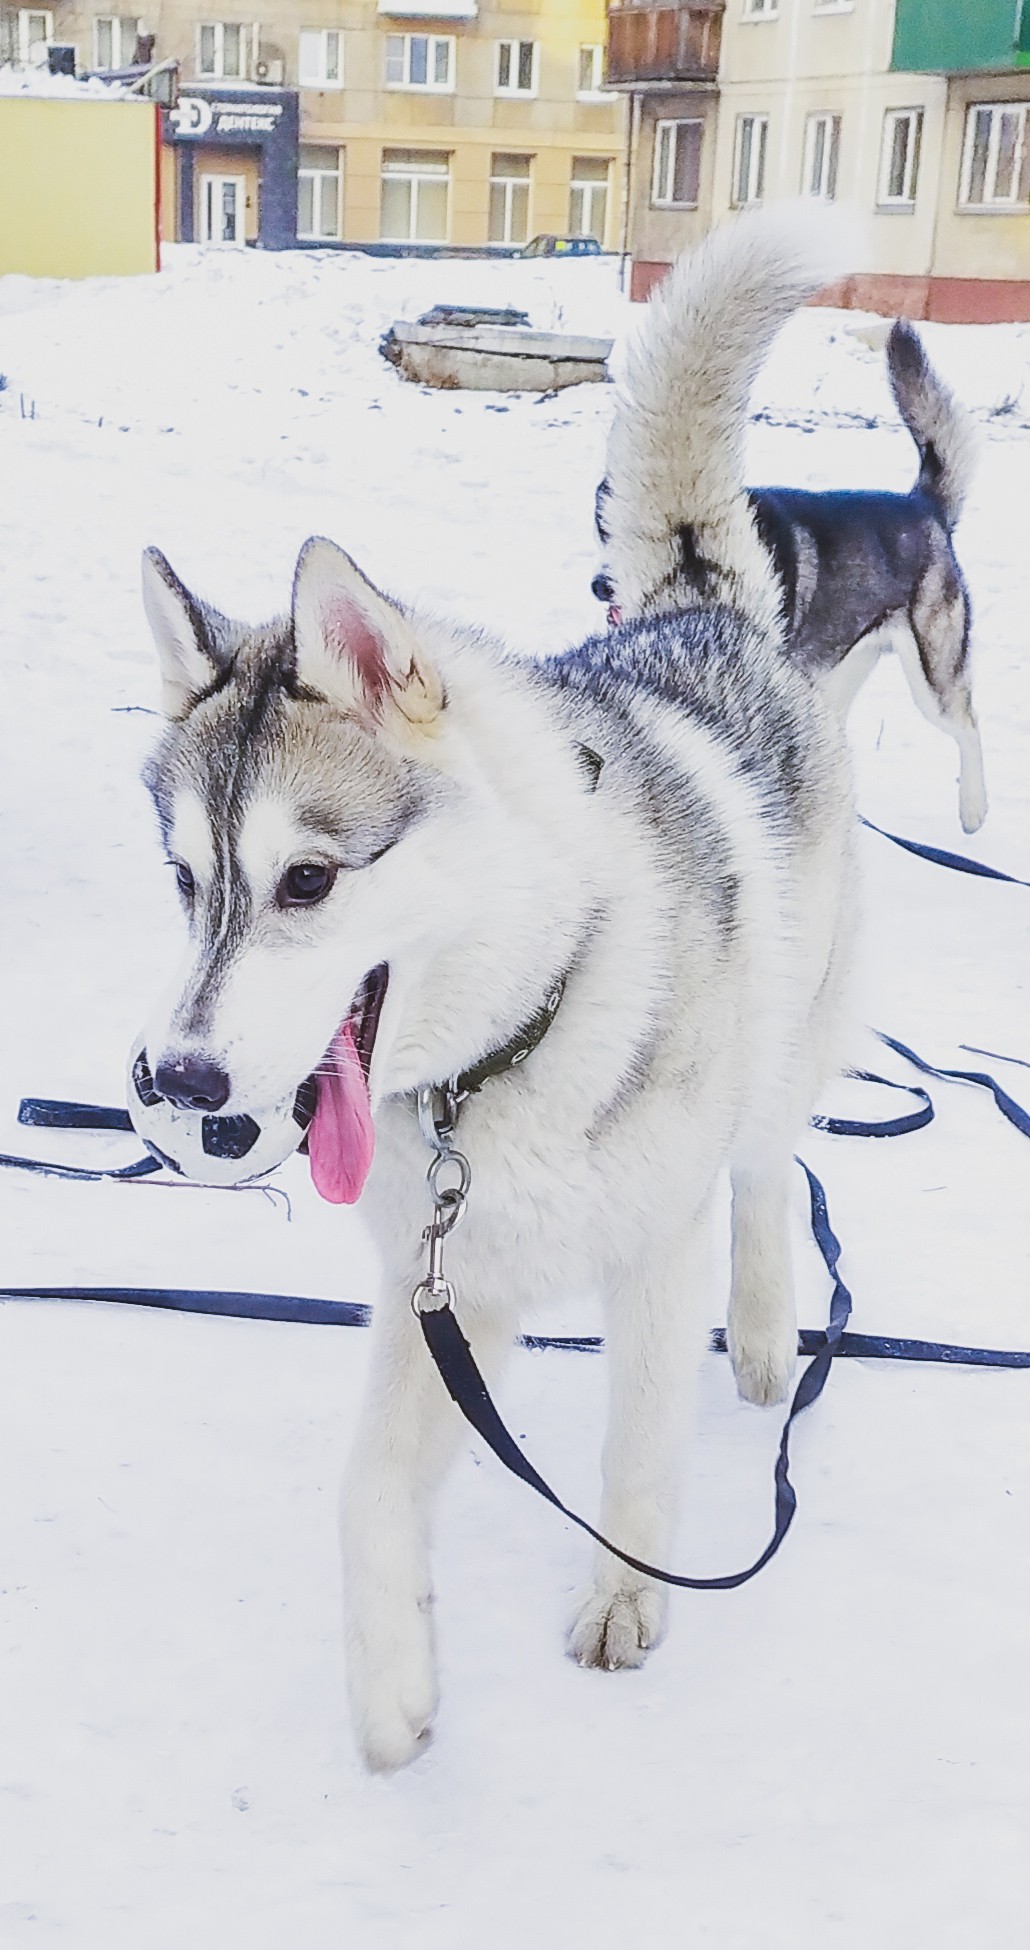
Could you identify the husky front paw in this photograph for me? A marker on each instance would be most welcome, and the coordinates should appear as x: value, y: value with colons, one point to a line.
x: 616, y: 1629
x: 763, y: 1365
x: 393, y: 1692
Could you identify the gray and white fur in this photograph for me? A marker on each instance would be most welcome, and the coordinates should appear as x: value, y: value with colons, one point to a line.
x: 663, y: 817
x: 858, y: 571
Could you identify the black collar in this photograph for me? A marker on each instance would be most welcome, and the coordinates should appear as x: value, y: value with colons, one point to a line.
x: 521, y: 1045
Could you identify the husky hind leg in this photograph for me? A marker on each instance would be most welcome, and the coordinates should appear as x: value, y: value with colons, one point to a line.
x: 935, y: 659
x: 762, y: 1331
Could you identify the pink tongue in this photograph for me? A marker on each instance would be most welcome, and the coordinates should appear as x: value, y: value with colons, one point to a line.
x: 340, y: 1138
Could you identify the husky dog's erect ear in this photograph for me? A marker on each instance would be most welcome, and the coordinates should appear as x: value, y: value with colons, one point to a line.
x: 177, y: 622
x: 356, y: 646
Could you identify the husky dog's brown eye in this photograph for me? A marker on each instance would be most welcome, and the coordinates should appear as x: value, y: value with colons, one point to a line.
x: 301, y: 886
x: 184, y: 880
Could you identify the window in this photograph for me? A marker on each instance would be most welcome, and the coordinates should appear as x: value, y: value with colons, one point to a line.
x: 588, y: 197
x: 321, y: 58
x: 899, y: 158
x: 591, y: 71
x: 318, y: 191
x: 34, y: 32
x: 749, y: 158
x: 420, y: 61
x: 414, y: 202
x: 222, y: 50
x: 761, y: 9
x: 114, y: 41
x: 833, y: 6
x: 822, y: 146
x: 516, y: 68
x: 994, y: 160
x: 509, y: 199
x: 677, y: 164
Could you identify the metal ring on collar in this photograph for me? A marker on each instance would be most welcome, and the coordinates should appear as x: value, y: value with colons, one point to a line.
x: 448, y: 1194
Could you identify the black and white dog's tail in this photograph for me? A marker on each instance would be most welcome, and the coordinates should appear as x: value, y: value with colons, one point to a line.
x: 680, y: 526
x: 941, y: 428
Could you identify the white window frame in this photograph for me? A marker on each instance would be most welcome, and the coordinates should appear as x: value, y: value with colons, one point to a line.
x: 313, y: 57
x: 514, y: 63
x: 500, y: 180
x: 218, y: 71
x: 27, y: 41
x: 597, y: 92
x: 831, y: 123
x: 433, y: 41
x: 754, y: 189
x: 907, y: 199
x: 1009, y: 202
x: 316, y: 177
x: 664, y: 163
x: 412, y: 174
x: 760, y: 10
x: 833, y: 6
x: 591, y: 186
x: 121, y: 56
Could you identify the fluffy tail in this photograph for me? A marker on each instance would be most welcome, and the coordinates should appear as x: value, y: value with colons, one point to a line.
x: 941, y: 428
x: 679, y: 520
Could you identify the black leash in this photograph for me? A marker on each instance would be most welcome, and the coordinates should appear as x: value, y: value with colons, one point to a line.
x: 465, y: 1385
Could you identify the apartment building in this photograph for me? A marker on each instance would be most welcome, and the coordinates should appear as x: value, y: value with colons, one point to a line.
x: 914, y: 112
x: 407, y: 121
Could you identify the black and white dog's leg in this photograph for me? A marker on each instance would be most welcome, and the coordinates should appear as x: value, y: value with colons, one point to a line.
x: 935, y: 659
x: 762, y: 1333
x: 654, y: 1327
x: 408, y: 1432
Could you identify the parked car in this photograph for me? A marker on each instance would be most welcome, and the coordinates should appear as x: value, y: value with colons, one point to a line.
x: 546, y: 246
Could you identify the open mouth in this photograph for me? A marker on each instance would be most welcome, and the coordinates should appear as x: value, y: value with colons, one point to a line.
x: 340, y: 1136
x: 614, y: 616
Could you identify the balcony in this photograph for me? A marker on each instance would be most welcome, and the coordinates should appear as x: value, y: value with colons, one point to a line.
x: 653, y: 44
x: 964, y: 37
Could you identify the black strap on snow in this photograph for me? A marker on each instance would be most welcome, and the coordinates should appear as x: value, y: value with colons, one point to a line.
x: 45, y: 1168
x: 913, y: 1120
x: 1007, y: 1105
x: 308, y: 1310
x: 56, y: 1114
x: 940, y: 857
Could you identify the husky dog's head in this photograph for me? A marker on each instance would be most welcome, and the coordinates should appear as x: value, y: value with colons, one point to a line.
x: 367, y: 910
x: 289, y: 767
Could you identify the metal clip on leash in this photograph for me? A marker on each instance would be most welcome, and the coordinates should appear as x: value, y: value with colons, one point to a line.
x: 437, y: 1112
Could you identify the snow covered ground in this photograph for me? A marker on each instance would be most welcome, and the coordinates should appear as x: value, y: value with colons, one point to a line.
x: 835, y: 1755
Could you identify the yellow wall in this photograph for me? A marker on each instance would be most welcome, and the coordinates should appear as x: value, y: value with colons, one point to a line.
x: 473, y: 122
x: 86, y: 177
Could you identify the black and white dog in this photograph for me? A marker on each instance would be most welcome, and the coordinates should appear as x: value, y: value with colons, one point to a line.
x: 862, y: 572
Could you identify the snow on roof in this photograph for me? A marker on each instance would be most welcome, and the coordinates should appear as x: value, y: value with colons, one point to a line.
x: 39, y: 81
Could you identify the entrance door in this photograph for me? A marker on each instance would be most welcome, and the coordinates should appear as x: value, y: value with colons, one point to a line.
x: 223, y: 202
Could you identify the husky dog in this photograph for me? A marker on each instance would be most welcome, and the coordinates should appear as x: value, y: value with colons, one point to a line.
x: 862, y: 572
x: 394, y: 841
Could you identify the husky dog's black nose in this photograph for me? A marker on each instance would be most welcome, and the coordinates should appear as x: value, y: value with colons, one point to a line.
x: 192, y: 1082
x: 603, y: 589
